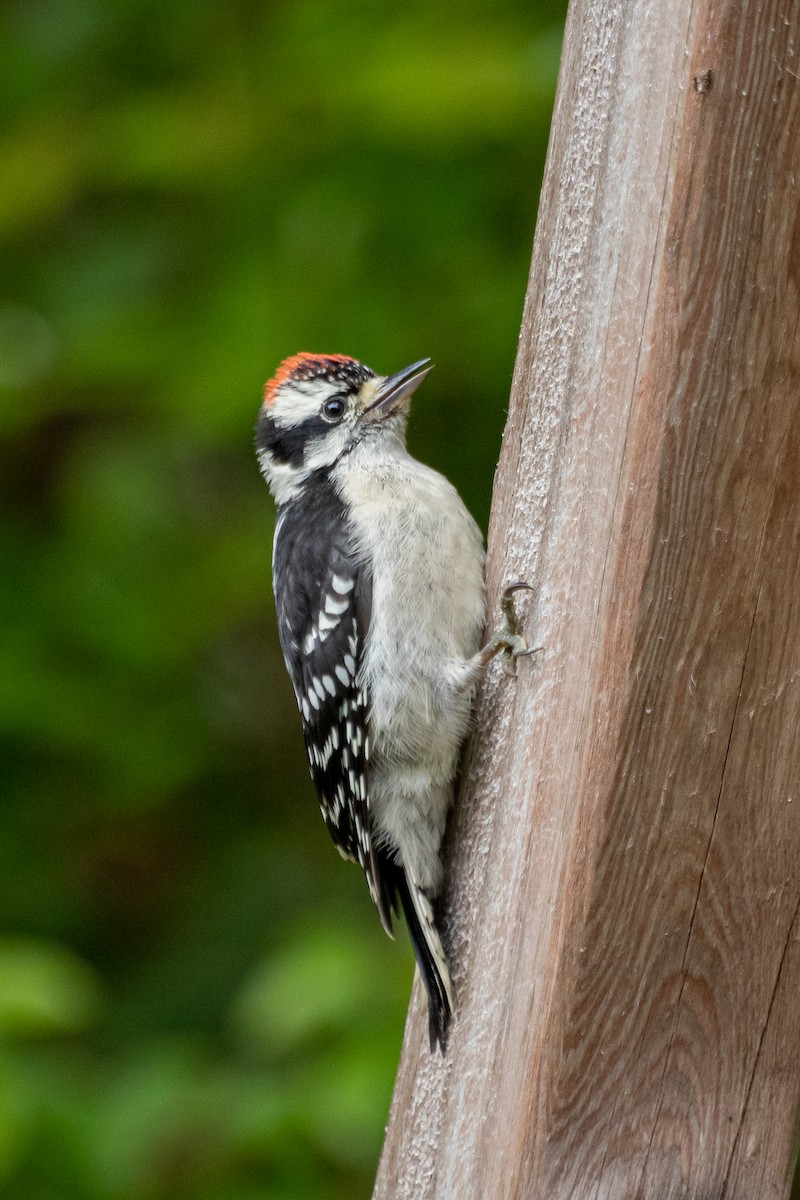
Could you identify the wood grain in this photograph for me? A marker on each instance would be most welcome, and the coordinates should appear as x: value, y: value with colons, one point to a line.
x: 625, y: 856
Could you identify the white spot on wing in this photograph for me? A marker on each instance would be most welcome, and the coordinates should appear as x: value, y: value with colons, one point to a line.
x: 332, y: 605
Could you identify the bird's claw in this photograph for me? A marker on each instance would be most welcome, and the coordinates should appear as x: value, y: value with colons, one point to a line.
x: 512, y: 625
x: 509, y: 639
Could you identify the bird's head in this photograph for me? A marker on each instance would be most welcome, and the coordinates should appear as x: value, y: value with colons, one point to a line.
x: 319, y: 407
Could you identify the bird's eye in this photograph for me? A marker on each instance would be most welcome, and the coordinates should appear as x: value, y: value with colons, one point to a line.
x: 333, y: 409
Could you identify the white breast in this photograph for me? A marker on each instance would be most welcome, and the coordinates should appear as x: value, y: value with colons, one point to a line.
x: 426, y: 556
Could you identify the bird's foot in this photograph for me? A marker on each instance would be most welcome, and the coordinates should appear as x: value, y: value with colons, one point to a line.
x: 509, y: 640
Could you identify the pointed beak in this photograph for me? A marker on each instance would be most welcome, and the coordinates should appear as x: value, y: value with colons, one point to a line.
x: 396, y: 390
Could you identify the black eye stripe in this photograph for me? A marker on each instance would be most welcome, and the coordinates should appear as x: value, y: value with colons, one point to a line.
x: 288, y: 445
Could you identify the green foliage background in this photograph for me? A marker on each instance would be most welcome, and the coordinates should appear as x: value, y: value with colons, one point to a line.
x: 196, y: 1000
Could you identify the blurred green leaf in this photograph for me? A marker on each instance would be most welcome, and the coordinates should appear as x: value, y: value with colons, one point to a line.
x: 342, y: 1092
x: 42, y: 164
x: 324, y: 981
x: 45, y: 989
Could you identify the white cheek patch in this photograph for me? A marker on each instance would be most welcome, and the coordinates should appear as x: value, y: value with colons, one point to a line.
x: 324, y: 451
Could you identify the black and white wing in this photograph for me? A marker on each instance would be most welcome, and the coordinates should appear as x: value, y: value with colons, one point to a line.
x: 323, y: 597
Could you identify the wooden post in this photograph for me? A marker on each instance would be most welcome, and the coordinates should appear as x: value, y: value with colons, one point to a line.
x: 625, y: 854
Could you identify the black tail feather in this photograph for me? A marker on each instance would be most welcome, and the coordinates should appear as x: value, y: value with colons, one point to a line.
x: 439, y: 1008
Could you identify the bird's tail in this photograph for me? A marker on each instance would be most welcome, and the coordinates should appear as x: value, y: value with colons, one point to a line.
x: 430, y: 956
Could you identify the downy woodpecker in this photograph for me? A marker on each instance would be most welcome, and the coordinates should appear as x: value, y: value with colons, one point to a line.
x: 378, y: 577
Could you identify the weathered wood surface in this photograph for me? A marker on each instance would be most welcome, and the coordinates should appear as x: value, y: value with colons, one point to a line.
x: 625, y: 855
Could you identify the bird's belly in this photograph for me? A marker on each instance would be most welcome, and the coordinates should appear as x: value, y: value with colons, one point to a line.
x: 425, y: 555
x: 410, y: 732
x: 430, y: 624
